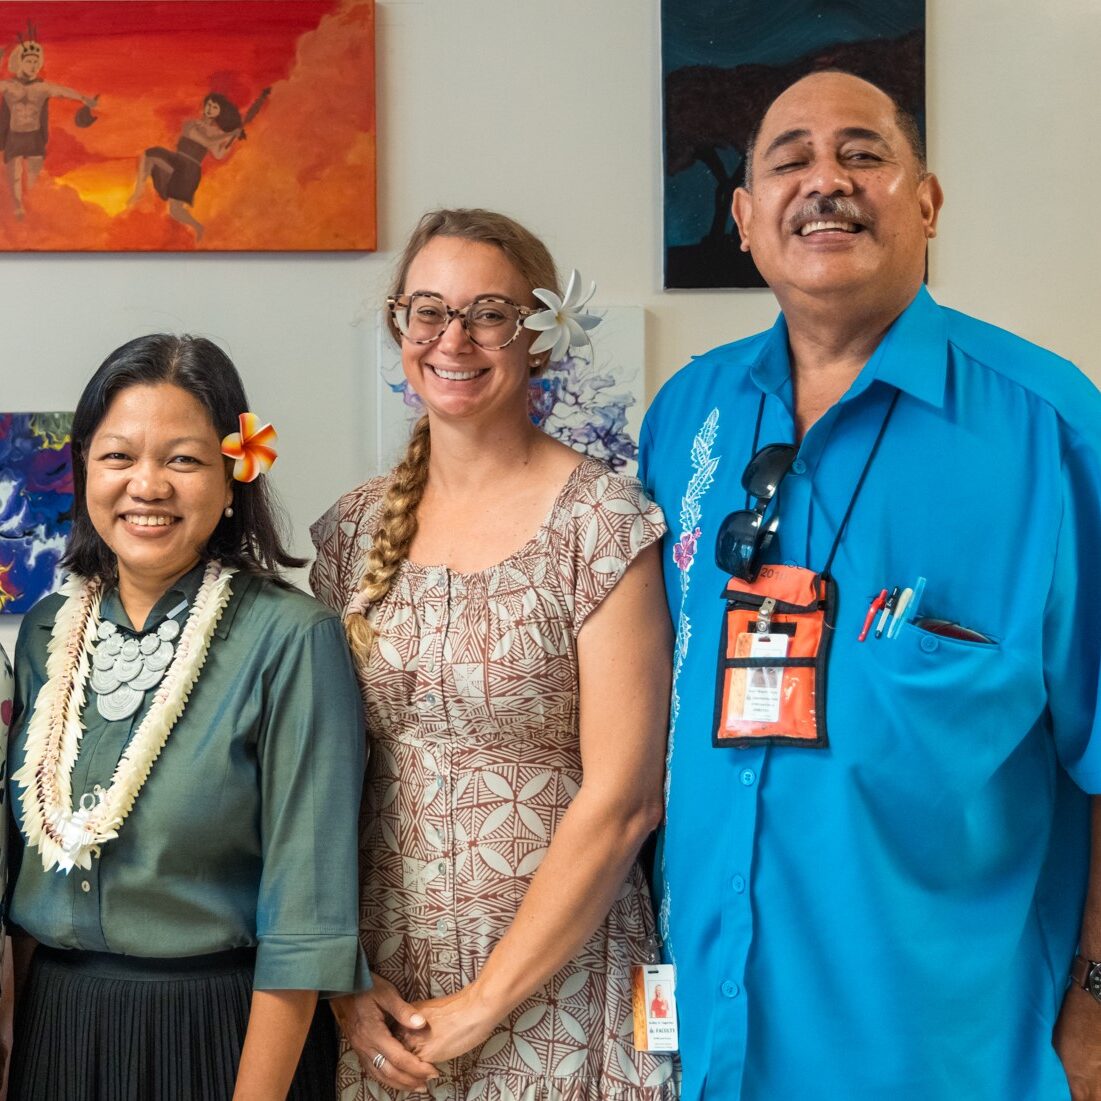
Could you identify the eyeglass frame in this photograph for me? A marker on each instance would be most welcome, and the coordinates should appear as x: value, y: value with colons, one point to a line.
x: 763, y: 533
x: 393, y: 304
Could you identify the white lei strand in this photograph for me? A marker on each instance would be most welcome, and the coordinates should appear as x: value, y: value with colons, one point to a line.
x: 68, y: 838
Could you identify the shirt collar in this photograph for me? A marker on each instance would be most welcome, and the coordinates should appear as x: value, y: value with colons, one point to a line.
x: 912, y: 356
x: 182, y: 590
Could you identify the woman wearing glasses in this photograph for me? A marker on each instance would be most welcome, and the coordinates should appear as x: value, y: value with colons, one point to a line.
x: 503, y: 599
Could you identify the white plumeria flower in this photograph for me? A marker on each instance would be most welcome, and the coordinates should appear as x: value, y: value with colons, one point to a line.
x: 563, y: 325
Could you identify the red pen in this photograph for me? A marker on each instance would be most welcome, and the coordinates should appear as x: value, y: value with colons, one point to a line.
x: 876, y: 605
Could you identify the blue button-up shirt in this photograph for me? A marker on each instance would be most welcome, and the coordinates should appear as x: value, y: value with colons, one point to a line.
x: 892, y: 916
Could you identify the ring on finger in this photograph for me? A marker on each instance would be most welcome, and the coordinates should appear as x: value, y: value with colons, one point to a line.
x: 379, y: 1061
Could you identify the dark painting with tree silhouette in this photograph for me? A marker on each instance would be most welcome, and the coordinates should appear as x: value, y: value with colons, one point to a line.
x: 723, y: 62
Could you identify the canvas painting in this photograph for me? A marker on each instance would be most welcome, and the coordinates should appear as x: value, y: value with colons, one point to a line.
x: 723, y: 62
x: 592, y: 399
x: 36, y: 502
x: 178, y: 125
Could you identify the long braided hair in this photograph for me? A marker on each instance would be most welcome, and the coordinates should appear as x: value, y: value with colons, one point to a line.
x: 397, y: 524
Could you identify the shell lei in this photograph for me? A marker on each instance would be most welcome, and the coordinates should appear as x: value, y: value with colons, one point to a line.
x: 68, y: 838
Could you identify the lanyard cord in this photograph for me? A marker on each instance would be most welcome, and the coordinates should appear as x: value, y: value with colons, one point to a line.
x: 860, y: 480
x: 756, y: 437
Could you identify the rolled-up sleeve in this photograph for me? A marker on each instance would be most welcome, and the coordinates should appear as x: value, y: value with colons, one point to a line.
x: 312, y: 757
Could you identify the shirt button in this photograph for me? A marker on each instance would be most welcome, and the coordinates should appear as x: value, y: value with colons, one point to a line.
x: 798, y: 467
x: 430, y: 698
x: 441, y: 926
x: 738, y: 883
x: 729, y: 989
x: 748, y: 777
x: 928, y: 643
x: 85, y: 886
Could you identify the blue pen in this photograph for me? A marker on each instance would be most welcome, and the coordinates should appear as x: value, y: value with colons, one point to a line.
x: 910, y: 610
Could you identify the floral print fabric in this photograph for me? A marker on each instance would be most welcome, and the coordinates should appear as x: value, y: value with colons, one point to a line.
x: 472, y: 708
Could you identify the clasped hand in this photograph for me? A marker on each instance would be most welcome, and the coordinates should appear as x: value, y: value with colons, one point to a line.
x: 412, y: 1038
x: 372, y: 1022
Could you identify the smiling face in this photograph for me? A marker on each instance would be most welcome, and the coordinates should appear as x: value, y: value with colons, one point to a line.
x: 839, y: 203
x: 453, y: 376
x: 156, y: 482
x: 212, y: 108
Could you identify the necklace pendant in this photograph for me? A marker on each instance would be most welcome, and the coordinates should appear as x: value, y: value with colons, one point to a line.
x: 119, y: 704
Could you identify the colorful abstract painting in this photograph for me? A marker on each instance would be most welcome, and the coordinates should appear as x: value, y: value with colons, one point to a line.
x: 723, y: 62
x: 593, y: 400
x: 174, y: 125
x: 36, y: 502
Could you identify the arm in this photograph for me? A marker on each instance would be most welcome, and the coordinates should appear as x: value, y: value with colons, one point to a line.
x: 62, y: 92
x: 1078, y: 1031
x: 1072, y: 671
x: 277, y: 1026
x: 624, y: 666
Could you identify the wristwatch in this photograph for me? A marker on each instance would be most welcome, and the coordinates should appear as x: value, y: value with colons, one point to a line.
x: 1087, y: 974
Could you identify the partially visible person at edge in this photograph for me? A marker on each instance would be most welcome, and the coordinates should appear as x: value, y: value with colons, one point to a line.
x: 7, y: 698
x: 894, y: 913
x: 182, y: 865
x: 503, y: 599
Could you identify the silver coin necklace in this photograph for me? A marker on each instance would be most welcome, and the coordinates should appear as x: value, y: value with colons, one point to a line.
x: 125, y: 668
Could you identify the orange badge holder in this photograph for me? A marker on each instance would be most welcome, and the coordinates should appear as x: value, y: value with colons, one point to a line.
x: 773, y: 657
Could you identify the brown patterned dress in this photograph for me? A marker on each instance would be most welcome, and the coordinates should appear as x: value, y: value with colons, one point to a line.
x: 472, y: 706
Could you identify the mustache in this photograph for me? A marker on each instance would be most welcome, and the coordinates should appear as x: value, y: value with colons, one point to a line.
x: 829, y: 206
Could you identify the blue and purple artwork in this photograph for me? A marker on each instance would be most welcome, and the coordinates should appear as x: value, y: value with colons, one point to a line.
x: 36, y: 504
x: 723, y: 62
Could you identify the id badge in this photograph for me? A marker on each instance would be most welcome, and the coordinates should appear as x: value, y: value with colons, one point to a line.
x: 773, y: 659
x: 654, y: 1006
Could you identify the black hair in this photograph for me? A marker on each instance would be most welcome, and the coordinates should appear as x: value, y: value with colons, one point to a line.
x: 229, y: 114
x: 905, y: 119
x: 252, y: 538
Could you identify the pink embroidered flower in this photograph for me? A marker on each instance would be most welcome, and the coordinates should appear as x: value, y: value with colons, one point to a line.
x: 684, y: 550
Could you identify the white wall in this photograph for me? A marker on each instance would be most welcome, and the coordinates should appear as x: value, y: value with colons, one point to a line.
x: 572, y: 88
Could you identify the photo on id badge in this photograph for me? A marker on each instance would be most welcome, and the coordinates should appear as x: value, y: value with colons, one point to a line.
x: 654, y: 1006
x: 755, y: 692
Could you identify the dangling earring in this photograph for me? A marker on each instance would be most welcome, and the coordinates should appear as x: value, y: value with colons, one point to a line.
x: 227, y: 512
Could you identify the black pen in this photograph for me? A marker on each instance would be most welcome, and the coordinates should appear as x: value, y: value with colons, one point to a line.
x: 889, y: 607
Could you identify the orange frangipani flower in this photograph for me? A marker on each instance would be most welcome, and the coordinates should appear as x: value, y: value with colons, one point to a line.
x: 252, y: 448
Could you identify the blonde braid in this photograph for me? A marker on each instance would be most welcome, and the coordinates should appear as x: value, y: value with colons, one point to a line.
x: 395, y: 531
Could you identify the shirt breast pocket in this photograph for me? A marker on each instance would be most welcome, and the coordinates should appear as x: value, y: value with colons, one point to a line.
x: 952, y: 711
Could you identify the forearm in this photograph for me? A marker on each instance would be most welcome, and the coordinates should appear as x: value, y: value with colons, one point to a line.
x: 1090, y: 938
x: 588, y: 859
x: 65, y: 93
x: 22, y: 952
x: 278, y: 1023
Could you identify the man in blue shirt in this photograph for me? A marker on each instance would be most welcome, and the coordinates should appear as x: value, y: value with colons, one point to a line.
x: 892, y: 914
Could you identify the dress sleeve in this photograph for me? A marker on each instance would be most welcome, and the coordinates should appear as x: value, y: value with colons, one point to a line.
x: 342, y: 537
x: 328, y: 574
x: 609, y: 522
x: 311, y: 754
x: 1072, y: 642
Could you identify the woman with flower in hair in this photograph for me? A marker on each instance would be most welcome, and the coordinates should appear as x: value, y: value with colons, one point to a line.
x: 503, y: 598
x: 187, y: 764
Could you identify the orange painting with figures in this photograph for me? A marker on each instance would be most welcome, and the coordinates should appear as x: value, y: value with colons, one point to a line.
x: 179, y: 125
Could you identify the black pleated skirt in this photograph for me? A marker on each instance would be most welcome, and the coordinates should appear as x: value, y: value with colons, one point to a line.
x: 92, y: 1026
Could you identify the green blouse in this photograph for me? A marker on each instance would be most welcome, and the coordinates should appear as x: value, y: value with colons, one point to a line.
x: 245, y: 833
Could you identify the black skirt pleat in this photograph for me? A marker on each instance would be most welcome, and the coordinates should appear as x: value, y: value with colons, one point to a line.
x: 95, y: 1027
